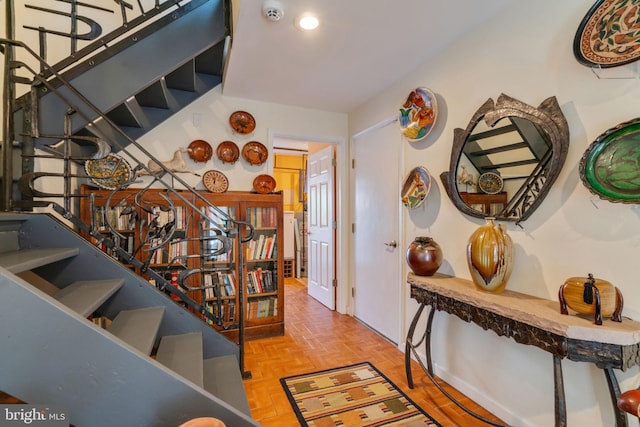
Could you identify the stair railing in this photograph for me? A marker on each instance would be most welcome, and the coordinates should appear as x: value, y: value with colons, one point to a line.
x: 229, y: 229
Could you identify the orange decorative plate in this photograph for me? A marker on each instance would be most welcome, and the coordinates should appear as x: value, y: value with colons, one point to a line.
x: 264, y: 184
x: 255, y: 153
x: 242, y: 122
x: 228, y: 152
x: 200, y: 151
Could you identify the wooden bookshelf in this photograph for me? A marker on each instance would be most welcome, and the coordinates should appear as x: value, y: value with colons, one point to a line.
x: 217, y: 284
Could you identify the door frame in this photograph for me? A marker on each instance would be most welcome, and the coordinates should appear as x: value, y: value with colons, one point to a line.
x: 402, y: 299
x: 341, y: 250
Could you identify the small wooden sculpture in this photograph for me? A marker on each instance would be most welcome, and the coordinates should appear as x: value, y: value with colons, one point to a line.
x: 176, y: 164
x: 587, y: 295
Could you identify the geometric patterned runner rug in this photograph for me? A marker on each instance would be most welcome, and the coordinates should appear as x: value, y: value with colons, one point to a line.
x: 356, y: 395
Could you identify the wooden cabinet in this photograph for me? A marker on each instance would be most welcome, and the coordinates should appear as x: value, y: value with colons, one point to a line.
x: 194, y: 247
x: 488, y: 204
x: 262, y: 267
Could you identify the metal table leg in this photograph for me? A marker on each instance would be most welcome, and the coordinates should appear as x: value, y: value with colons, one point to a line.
x: 560, y: 402
x: 614, y: 391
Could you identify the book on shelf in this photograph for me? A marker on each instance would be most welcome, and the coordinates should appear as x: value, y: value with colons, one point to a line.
x: 261, y: 308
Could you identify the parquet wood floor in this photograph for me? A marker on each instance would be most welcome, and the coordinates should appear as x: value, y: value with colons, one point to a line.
x: 317, y: 338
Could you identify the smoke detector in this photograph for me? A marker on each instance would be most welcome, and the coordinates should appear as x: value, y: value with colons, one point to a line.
x: 272, y: 10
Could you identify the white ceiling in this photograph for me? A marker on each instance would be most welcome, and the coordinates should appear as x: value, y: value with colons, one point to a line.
x: 360, y: 48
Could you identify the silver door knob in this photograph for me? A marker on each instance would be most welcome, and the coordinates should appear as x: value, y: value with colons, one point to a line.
x: 392, y: 244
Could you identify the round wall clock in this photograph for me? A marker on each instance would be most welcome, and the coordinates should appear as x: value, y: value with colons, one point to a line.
x: 490, y: 183
x: 215, y: 181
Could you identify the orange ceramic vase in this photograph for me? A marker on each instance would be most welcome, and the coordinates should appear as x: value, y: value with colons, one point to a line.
x: 490, y: 256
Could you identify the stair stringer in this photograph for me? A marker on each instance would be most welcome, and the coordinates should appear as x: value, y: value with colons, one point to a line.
x: 51, y: 355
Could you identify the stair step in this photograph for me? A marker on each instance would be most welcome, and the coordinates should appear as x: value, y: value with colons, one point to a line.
x: 28, y: 259
x: 183, y: 354
x: 85, y: 296
x: 222, y: 378
x: 138, y: 328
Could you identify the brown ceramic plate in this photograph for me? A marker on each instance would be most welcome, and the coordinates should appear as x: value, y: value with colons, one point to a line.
x: 264, y: 184
x: 228, y: 152
x: 242, y: 122
x: 255, y: 153
x: 200, y: 151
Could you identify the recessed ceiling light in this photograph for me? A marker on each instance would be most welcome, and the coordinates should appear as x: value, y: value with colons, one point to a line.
x: 307, y: 22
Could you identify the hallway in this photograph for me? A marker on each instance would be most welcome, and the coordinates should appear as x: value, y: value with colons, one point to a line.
x: 316, y: 339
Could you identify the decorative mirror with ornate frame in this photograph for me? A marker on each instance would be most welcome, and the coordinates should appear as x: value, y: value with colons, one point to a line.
x: 504, y: 163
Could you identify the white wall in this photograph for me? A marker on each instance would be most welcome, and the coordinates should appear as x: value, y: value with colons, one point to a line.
x: 208, y: 118
x: 525, y: 53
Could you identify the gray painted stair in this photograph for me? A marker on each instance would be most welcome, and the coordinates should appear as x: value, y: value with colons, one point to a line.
x: 183, y: 354
x: 23, y: 260
x: 85, y: 296
x: 223, y: 380
x: 138, y: 328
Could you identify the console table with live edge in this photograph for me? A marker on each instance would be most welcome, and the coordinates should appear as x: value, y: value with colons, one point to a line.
x: 527, y: 320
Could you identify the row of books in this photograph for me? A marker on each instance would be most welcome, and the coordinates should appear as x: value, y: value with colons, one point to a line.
x: 171, y: 252
x: 259, y: 281
x: 219, y: 283
x: 118, y: 217
x: 262, y: 217
x: 225, y: 311
x: 126, y: 243
x: 164, y: 217
x: 262, y: 247
x: 261, y: 308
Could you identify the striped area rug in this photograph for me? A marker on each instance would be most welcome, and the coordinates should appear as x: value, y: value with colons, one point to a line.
x: 355, y: 395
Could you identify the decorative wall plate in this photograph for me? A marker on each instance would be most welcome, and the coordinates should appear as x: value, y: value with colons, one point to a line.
x: 610, y: 168
x: 242, y: 122
x: 110, y: 172
x: 264, y: 184
x: 608, y: 35
x: 416, y: 187
x: 200, y: 151
x: 215, y: 181
x: 417, y: 115
x: 490, y: 183
x: 255, y: 153
x: 228, y: 152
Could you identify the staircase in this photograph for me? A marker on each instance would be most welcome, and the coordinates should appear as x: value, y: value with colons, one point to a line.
x: 137, y: 83
x: 155, y: 364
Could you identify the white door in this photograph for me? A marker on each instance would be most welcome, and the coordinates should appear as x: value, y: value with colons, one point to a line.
x: 320, y: 249
x: 376, y: 205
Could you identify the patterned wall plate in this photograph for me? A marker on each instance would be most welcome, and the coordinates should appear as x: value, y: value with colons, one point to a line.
x: 609, y: 34
x: 264, y: 184
x: 111, y: 172
x: 417, y: 115
x: 255, y: 153
x: 416, y: 187
x: 610, y: 168
x: 228, y: 152
x: 242, y: 122
x: 200, y: 151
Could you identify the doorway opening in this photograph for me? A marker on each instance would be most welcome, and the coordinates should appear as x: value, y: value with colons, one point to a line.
x: 305, y: 172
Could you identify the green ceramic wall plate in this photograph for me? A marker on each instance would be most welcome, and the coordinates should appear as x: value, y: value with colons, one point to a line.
x: 610, y: 168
